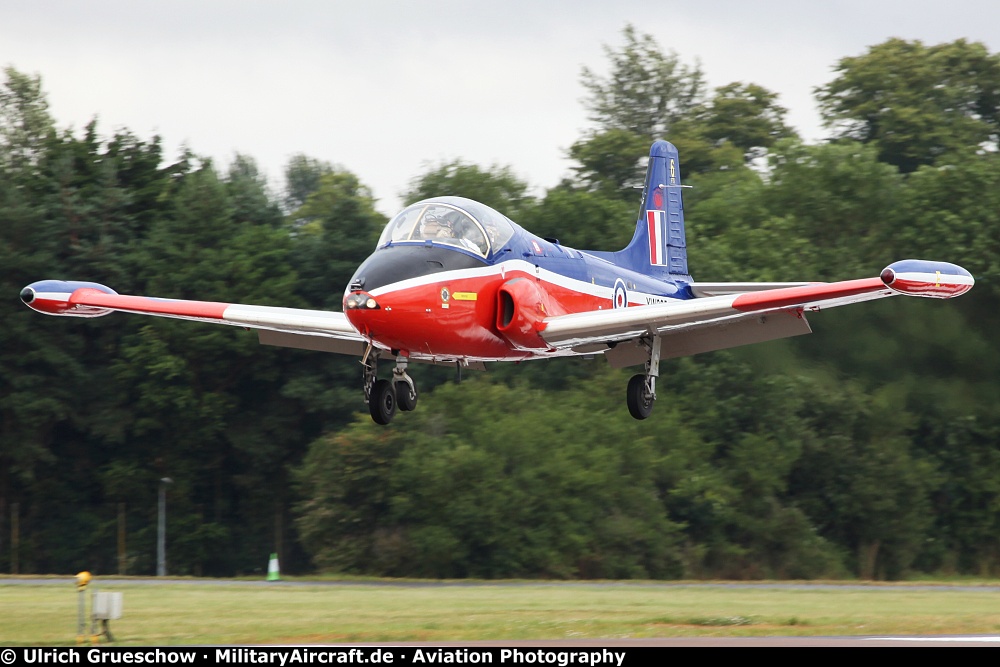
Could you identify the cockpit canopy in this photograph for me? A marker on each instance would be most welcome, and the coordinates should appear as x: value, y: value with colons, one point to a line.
x: 455, y: 221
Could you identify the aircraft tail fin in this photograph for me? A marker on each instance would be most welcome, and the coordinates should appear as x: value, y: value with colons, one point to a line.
x: 659, y: 247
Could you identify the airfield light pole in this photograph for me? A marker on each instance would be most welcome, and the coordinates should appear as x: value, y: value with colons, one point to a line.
x: 161, y: 529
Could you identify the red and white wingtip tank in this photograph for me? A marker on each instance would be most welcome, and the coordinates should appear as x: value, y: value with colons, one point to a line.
x: 917, y: 277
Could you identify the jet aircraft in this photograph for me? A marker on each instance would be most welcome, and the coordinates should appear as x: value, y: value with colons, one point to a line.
x: 452, y: 281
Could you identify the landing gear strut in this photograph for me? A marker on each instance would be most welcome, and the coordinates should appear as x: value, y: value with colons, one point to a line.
x: 406, y: 390
x: 385, y: 396
x: 642, y: 388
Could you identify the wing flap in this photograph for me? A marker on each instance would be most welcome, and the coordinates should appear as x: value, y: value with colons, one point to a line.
x: 733, y: 333
x: 709, y: 337
x: 313, y: 342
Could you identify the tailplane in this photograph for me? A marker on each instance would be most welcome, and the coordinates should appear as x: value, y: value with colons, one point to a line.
x: 659, y: 247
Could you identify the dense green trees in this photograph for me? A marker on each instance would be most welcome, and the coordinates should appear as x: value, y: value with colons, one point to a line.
x: 916, y: 102
x: 867, y: 449
x: 463, y: 491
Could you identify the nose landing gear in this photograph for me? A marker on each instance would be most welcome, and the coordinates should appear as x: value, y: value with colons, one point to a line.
x: 385, y: 396
x: 406, y: 390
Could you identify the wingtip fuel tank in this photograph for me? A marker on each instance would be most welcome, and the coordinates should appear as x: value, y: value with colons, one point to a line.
x: 917, y: 277
x: 55, y: 297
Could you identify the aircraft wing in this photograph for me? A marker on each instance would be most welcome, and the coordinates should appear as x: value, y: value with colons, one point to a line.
x: 285, y: 327
x: 729, y: 319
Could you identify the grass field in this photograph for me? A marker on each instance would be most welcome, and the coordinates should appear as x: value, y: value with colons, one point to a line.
x: 237, y: 613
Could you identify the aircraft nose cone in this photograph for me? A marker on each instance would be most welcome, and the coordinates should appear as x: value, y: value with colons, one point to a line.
x: 27, y: 295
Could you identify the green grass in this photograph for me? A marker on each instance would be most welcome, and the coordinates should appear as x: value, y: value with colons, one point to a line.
x: 186, y: 613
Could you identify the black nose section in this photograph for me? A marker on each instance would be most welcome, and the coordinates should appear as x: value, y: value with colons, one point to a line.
x: 27, y: 295
x: 395, y: 263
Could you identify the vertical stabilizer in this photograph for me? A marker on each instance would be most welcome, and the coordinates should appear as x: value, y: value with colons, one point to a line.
x: 659, y: 247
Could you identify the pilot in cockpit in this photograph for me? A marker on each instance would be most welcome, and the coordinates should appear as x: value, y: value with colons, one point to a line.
x: 432, y: 227
x: 440, y: 227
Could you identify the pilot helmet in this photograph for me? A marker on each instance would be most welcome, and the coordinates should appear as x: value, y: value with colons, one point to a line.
x: 440, y: 221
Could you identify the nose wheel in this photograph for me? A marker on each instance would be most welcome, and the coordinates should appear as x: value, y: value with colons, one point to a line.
x: 384, y: 397
x: 406, y: 390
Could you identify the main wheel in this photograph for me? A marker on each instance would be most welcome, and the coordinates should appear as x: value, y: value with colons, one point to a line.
x: 382, y: 402
x: 640, y: 401
x: 405, y: 397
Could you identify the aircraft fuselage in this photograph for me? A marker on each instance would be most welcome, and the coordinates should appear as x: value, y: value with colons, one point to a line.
x: 440, y: 301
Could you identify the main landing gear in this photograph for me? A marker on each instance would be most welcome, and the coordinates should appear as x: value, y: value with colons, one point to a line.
x: 641, y: 390
x: 385, y: 396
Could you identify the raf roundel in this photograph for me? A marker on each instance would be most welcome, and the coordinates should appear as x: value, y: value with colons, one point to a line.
x: 620, y: 299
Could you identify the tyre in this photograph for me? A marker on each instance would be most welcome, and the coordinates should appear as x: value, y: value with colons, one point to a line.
x: 406, y: 399
x: 382, y: 402
x: 640, y: 402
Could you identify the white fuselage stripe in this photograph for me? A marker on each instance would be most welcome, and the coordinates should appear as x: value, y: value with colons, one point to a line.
x: 511, y: 266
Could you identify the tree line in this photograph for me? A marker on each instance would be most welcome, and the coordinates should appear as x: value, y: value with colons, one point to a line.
x: 867, y: 449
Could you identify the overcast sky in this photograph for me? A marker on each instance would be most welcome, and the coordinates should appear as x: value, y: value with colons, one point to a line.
x: 387, y: 88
